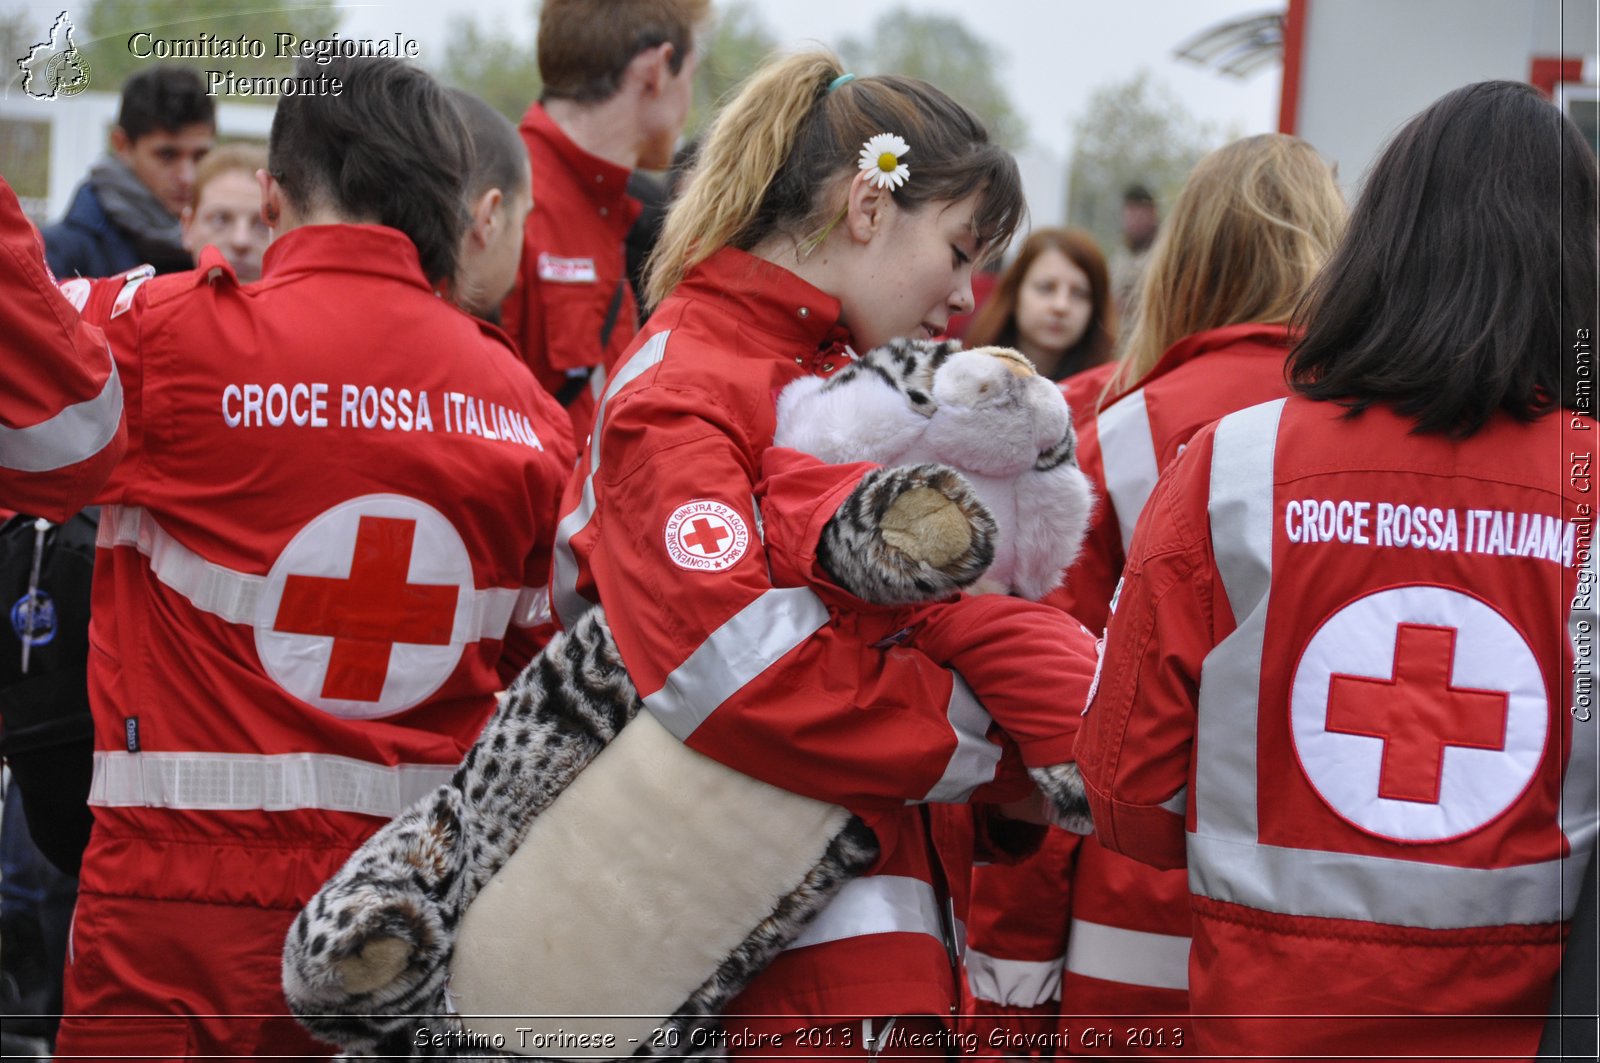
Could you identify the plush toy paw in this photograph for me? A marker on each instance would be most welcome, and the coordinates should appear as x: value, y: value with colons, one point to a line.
x: 927, y: 527
x: 1065, y: 797
x: 378, y: 963
x: 908, y: 534
x: 377, y: 948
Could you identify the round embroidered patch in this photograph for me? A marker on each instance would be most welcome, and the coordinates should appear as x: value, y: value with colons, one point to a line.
x: 1419, y: 713
x: 706, y: 536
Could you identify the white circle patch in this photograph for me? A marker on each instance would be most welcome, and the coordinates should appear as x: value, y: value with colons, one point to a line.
x: 706, y: 536
x: 360, y: 613
x: 1419, y: 713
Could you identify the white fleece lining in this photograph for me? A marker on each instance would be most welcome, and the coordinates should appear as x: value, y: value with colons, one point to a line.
x: 628, y: 892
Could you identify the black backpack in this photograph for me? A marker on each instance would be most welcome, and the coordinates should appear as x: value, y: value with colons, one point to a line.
x: 48, y: 736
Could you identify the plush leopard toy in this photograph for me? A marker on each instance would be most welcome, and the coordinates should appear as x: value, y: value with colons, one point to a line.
x: 451, y: 930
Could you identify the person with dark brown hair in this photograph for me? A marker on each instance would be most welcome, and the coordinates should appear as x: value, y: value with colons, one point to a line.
x: 126, y: 211
x: 1346, y: 682
x: 499, y: 198
x: 322, y: 555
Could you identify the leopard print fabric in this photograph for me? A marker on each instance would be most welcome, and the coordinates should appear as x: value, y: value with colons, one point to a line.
x: 371, y: 952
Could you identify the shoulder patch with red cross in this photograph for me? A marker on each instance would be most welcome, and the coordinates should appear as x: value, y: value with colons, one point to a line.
x: 706, y: 536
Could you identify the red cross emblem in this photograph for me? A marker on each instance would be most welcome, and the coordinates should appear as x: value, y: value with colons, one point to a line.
x: 706, y: 536
x: 362, y: 614
x: 1417, y: 712
x: 369, y: 612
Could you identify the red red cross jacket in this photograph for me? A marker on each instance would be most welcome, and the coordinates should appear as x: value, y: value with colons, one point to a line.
x: 336, y: 510
x: 1120, y: 944
x: 574, y: 265
x: 1083, y: 391
x: 61, y: 423
x: 778, y: 681
x: 1339, y: 684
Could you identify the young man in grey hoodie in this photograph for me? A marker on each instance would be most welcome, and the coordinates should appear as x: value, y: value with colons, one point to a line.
x: 126, y: 212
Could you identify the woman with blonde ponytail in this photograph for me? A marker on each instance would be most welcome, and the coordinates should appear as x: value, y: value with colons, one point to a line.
x: 826, y: 213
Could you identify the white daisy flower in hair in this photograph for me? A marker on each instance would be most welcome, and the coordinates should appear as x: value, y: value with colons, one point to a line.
x: 880, y: 161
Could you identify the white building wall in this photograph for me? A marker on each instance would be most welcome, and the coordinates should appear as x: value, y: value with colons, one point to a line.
x: 1044, y: 183
x: 1368, y: 65
x: 1566, y: 27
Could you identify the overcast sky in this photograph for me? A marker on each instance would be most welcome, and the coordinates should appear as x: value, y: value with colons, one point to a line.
x: 1055, y: 51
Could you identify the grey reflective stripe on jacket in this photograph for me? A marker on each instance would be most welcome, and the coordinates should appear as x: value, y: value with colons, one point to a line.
x: 1128, y: 456
x: 1227, y: 861
x: 565, y: 601
x: 75, y: 434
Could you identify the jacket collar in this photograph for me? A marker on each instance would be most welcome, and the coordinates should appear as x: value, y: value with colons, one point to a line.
x: 768, y: 297
x: 1249, y: 338
x: 373, y: 249
x: 603, y: 181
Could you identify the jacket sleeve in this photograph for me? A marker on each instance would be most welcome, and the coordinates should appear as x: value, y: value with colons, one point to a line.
x: 62, y: 428
x: 532, y: 624
x: 1135, y: 748
x: 1008, y: 650
x: 1092, y: 577
x: 773, y: 681
x: 1017, y: 946
x: 1030, y: 663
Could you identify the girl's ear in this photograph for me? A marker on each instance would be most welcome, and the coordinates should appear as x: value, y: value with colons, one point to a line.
x: 867, y: 209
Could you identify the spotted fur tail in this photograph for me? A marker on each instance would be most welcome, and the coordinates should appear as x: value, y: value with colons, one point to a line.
x: 372, y: 949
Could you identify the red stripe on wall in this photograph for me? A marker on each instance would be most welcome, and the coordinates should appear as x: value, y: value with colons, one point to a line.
x: 1294, y: 36
x: 1549, y: 71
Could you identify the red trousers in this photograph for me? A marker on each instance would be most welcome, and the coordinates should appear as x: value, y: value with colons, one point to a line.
x: 174, y: 980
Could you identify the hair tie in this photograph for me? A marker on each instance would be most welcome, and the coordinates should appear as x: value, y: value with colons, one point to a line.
x: 842, y: 79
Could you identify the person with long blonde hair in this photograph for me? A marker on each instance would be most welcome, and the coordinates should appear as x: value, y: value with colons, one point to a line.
x: 826, y: 213
x: 1253, y: 224
x: 1246, y: 236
